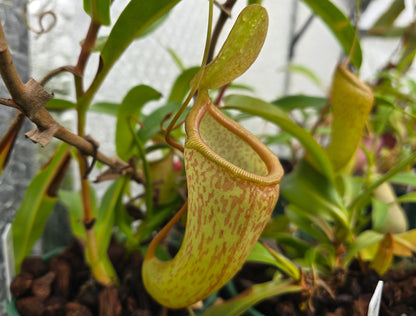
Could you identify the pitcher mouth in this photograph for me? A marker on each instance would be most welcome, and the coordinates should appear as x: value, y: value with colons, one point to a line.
x: 204, y: 106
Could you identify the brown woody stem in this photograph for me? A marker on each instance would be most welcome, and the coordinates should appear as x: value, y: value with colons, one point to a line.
x: 224, y: 15
x: 30, y: 98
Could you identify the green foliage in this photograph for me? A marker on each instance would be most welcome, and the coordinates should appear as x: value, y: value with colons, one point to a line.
x: 333, y: 207
x: 130, y: 108
x: 99, y: 10
x: 240, y: 50
x: 340, y: 26
x: 257, y: 293
x: 37, y: 205
x: 136, y: 19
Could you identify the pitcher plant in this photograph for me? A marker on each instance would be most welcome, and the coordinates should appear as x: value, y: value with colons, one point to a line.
x: 232, y: 179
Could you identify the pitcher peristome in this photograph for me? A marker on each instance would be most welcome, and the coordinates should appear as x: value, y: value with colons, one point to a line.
x: 233, y: 185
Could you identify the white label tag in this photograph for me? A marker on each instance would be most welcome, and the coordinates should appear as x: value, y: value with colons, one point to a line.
x: 8, y: 255
x: 374, y: 306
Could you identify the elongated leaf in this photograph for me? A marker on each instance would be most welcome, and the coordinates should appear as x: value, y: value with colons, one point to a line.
x: 182, y: 85
x: 135, y: 19
x: 311, y: 192
x: 307, y: 223
x: 352, y: 102
x: 59, y: 105
x: 151, y: 223
x: 385, y: 22
x: 367, y: 239
x: 404, y: 178
x: 240, y: 49
x: 151, y: 122
x: 239, y: 304
x: 270, y: 112
x: 300, y: 102
x: 73, y: 203
x: 384, y: 255
x: 99, y: 10
x: 37, y: 204
x: 306, y: 72
x: 340, y: 26
x: 264, y: 255
x: 105, y: 108
x: 110, y: 204
x: 362, y: 199
x: 132, y: 105
x: 407, y: 198
x: 8, y: 139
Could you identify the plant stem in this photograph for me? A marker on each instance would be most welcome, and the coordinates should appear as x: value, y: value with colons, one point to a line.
x: 194, y: 88
x: 362, y: 198
x: 30, y: 99
x: 224, y: 15
x: 98, y: 268
x: 146, y: 169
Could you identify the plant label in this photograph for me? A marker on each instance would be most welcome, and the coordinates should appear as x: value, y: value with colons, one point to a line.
x: 374, y: 306
x: 8, y: 255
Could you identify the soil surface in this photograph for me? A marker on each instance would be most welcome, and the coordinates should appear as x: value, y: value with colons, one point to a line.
x: 64, y: 286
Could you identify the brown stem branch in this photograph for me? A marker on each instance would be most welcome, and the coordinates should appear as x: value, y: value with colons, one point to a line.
x: 10, y: 103
x: 224, y: 15
x: 57, y: 71
x: 87, y: 47
x: 30, y: 98
x: 7, y: 69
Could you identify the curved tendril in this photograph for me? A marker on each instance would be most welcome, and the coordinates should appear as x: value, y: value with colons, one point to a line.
x: 194, y: 88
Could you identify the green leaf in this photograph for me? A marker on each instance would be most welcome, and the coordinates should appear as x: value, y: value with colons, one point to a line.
x: 407, y: 198
x: 367, y: 239
x: 385, y: 22
x: 308, y: 224
x: 379, y: 214
x: 262, y: 254
x: 257, y: 293
x: 404, y: 178
x: 306, y: 72
x: 59, y: 105
x: 310, y: 191
x: 135, y: 19
x: 270, y: 112
x: 176, y: 59
x: 131, y: 106
x: 151, y: 123
x: 8, y: 139
x: 99, y: 10
x: 73, y: 203
x: 148, y: 226
x: 105, y: 108
x: 340, y: 26
x: 393, y: 173
x: 351, y: 104
x: 37, y: 204
x: 110, y: 204
x: 240, y: 49
x: 300, y: 102
x: 181, y: 86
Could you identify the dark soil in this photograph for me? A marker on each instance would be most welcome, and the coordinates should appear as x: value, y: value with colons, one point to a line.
x: 64, y: 286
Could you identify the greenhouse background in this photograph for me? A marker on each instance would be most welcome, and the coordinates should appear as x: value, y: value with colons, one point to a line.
x: 35, y: 54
